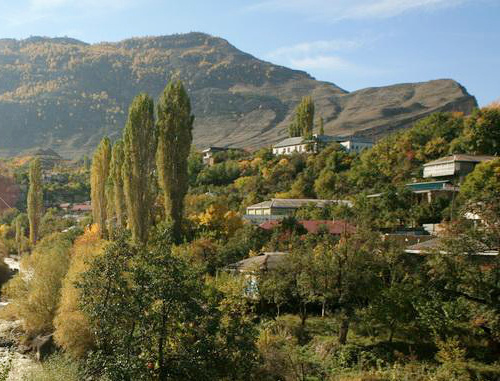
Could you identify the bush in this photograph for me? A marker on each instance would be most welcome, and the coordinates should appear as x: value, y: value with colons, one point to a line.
x: 56, y: 368
x: 35, y: 292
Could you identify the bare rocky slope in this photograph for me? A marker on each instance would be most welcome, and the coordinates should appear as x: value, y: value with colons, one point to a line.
x: 65, y: 94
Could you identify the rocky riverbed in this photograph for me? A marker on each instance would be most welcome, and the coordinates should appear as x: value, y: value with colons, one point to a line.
x: 12, y: 358
x: 15, y: 360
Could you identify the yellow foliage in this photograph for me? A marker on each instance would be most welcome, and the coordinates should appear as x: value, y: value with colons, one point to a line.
x: 283, y: 162
x: 256, y: 162
x: 242, y: 182
x: 34, y: 293
x: 219, y: 219
x: 494, y: 105
x: 72, y: 330
x: 4, y: 231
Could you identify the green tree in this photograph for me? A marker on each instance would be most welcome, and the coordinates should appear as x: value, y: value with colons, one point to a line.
x: 175, y: 125
x: 303, y: 122
x: 480, y: 193
x: 155, y: 318
x: 98, y: 178
x: 481, y: 133
x: 139, y: 146
x: 116, y: 195
x: 20, y: 221
x: 321, y: 126
x: 35, y: 199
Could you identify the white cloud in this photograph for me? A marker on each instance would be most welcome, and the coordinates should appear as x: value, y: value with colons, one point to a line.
x: 317, y: 55
x: 315, y: 47
x: 322, y: 63
x: 335, y: 10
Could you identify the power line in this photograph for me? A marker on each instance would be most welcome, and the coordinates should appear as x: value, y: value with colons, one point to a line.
x: 5, y: 202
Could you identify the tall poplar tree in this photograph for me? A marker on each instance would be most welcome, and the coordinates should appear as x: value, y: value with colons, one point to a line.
x: 321, y: 126
x: 139, y: 146
x: 303, y: 122
x: 35, y: 199
x: 175, y: 126
x: 115, y: 192
x: 20, y: 225
x: 98, y: 177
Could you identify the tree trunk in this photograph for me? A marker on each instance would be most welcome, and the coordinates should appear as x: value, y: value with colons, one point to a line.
x: 161, y: 357
x: 303, y: 314
x: 278, y: 307
x: 344, y: 330
x: 391, y: 334
x: 323, y: 306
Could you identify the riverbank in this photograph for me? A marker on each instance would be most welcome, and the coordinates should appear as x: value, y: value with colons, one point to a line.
x: 15, y: 361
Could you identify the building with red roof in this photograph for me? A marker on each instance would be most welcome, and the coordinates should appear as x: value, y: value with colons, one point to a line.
x: 315, y: 226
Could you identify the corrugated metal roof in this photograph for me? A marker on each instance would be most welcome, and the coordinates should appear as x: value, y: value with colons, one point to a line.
x: 322, y: 139
x: 263, y: 262
x: 292, y: 142
x: 314, y: 226
x: 466, y: 158
x: 290, y: 203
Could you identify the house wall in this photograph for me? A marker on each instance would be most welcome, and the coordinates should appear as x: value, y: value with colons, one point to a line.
x: 439, y: 170
x: 351, y: 146
x: 301, y: 148
x: 259, y: 211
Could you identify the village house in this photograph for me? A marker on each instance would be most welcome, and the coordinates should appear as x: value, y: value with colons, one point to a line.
x: 337, y: 228
x: 252, y: 267
x: 208, y: 153
x: 449, y: 172
x: 454, y: 167
x: 278, y: 208
x: 314, y: 145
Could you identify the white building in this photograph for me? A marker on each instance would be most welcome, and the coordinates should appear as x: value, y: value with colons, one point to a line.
x: 455, y: 166
x: 301, y: 145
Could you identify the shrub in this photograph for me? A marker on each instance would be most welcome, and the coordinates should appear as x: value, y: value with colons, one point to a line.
x: 34, y: 293
x: 56, y: 368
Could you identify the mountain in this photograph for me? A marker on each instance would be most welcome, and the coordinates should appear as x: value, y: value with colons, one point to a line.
x: 65, y: 94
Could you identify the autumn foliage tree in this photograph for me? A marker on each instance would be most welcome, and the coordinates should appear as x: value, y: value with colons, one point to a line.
x: 72, y: 328
x: 35, y: 199
x: 98, y: 178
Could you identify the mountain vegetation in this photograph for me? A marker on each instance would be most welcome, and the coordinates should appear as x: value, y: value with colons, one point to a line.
x: 67, y: 95
x: 160, y: 297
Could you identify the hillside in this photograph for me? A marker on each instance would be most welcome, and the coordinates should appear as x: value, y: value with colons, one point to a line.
x: 65, y: 94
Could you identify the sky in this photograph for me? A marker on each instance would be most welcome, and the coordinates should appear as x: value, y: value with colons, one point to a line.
x: 352, y: 43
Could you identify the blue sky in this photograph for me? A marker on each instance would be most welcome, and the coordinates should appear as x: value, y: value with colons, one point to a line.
x: 352, y: 43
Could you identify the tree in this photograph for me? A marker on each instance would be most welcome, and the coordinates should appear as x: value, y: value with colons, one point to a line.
x: 34, y: 298
x: 304, y: 119
x: 481, y: 133
x: 154, y: 318
x: 72, y: 328
x: 139, y: 147
x: 321, y: 126
x: 20, y: 232
x: 35, y: 199
x: 116, y: 195
x: 98, y: 178
x: 480, y: 193
x: 175, y: 125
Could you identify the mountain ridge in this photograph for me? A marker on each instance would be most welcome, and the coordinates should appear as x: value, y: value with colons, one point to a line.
x: 65, y: 94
